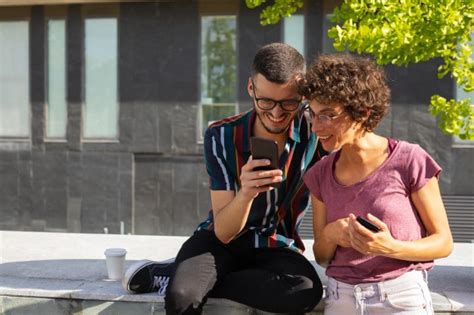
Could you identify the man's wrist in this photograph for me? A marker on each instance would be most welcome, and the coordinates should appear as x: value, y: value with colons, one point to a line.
x: 245, y: 197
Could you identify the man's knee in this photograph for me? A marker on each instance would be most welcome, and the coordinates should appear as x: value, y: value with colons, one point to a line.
x: 190, y: 284
x: 312, y: 296
x: 179, y: 299
x: 306, y: 295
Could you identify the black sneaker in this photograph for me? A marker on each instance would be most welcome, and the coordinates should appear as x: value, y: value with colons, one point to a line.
x: 147, y: 276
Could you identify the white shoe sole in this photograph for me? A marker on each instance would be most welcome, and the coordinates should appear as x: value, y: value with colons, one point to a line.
x: 133, y: 269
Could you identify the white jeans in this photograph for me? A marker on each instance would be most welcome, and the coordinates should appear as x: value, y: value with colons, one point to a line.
x: 407, y: 294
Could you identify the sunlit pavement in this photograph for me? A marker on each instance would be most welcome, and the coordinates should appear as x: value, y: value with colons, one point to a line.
x: 59, y: 273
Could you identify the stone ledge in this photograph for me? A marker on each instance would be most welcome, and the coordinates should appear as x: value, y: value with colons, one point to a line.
x: 56, y: 273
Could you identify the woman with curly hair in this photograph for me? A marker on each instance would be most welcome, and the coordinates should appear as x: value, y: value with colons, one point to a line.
x: 377, y: 267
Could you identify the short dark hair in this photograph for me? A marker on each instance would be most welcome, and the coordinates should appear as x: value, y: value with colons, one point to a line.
x: 355, y: 82
x: 278, y: 63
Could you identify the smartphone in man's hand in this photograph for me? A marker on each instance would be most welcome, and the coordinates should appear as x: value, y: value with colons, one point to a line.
x: 265, y: 149
x: 367, y: 224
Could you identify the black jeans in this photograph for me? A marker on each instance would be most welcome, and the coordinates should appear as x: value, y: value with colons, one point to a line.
x: 277, y: 280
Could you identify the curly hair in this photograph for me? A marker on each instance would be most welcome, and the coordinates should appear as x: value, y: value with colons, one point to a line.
x: 355, y: 82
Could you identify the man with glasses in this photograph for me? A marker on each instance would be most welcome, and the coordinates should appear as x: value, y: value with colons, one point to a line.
x: 248, y: 249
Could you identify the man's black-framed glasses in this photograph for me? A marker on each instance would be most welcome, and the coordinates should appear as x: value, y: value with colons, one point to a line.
x: 268, y: 104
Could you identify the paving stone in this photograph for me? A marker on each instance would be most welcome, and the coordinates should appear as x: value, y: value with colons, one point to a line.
x: 461, y: 301
x: 61, y: 273
x: 37, y: 306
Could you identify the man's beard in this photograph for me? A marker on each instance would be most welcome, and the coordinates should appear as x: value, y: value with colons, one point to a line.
x: 272, y: 131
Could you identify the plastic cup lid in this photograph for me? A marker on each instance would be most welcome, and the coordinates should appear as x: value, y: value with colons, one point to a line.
x: 115, y: 252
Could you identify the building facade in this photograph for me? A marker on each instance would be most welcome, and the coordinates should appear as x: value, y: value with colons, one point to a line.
x: 103, y: 105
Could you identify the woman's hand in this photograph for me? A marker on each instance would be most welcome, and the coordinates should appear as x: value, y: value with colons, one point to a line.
x: 371, y: 243
x: 327, y: 236
x: 338, y: 232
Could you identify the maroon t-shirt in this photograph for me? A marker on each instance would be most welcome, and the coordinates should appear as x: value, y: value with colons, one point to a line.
x: 385, y: 193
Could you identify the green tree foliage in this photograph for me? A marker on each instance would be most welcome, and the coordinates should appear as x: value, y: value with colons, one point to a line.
x: 273, y: 13
x: 401, y: 32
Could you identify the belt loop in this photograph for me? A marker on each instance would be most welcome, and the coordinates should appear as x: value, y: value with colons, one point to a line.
x: 336, y: 292
x: 382, y: 294
x: 425, y: 275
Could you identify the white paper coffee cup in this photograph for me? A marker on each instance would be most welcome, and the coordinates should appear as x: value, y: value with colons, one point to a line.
x: 115, y: 260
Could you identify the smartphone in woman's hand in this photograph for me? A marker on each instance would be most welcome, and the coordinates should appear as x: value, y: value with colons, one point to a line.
x: 367, y: 224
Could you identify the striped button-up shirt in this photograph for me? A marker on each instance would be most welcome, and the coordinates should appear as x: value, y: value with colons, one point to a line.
x: 275, y: 215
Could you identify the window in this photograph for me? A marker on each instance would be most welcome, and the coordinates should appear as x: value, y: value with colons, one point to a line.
x: 293, y: 32
x: 218, y: 69
x: 56, y: 106
x: 14, y: 79
x: 100, y: 113
x: 461, y: 94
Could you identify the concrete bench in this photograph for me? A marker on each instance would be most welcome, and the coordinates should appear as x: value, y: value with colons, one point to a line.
x: 59, y: 273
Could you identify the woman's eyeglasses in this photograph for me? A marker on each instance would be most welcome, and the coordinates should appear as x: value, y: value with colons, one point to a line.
x: 322, y: 119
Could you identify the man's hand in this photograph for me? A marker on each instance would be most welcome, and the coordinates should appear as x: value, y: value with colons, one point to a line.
x: 254, y: 182
x: 231, y: 211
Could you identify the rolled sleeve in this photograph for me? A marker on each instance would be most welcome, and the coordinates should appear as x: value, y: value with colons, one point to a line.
x: 220, y: 175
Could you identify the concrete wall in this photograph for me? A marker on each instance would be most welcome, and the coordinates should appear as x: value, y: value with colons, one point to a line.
x: 80, y: 186
x: 153, y: 179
